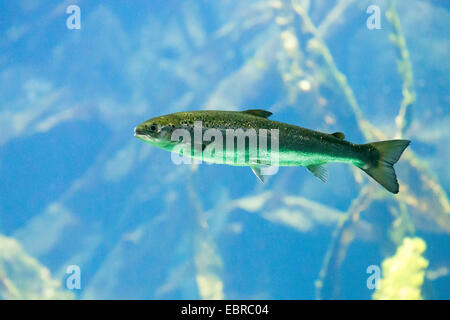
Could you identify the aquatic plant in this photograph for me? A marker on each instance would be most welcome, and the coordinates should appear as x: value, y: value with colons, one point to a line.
x: 403, y: 273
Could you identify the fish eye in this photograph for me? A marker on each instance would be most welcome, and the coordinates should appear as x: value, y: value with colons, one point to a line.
x: 152, y: 127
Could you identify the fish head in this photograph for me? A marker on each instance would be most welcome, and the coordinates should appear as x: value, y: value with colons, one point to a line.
x: 157, y: 131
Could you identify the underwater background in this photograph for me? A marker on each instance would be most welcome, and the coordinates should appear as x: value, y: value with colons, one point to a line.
x: 81, y: 196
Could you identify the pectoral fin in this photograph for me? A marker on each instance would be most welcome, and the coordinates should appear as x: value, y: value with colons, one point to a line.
x: 257, y: 171
x: 319, y: 171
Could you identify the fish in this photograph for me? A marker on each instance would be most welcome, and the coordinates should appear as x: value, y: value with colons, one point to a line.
x: 290, y: 145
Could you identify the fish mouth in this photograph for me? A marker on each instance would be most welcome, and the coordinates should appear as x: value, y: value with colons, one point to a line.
x: 140, y: 135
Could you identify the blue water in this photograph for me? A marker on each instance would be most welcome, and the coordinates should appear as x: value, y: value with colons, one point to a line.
x: 76, y: 188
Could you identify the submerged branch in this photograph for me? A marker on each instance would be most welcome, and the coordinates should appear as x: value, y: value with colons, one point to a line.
x: 327, y: 286
x: 317, y: 45
x: 208, y: 262
x: 335, y: 16
x: 404, y: 69
x: 342, y: 236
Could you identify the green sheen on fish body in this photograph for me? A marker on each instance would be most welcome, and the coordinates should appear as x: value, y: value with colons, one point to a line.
x: 249, y: 138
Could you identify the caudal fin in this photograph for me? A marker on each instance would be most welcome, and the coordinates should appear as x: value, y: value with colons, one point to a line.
x: 387, y: 154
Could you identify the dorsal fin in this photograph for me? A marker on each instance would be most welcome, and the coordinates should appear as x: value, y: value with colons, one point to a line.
x: 339, y: 135
x: 258, y: 113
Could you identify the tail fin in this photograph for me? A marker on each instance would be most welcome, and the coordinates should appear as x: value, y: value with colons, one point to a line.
x: 383, y: 170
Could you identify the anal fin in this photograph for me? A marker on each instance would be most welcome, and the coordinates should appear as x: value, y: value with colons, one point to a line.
x: 319, y: 171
